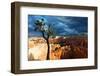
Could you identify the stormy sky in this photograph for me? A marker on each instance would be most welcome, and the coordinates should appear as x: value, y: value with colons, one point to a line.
x: 62, y: 25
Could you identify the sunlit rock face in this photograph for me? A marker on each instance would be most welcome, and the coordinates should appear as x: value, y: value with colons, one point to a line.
x: 38, y: 50
x: 55, y: 51
x: 72, y: 48
x: 59, y: 52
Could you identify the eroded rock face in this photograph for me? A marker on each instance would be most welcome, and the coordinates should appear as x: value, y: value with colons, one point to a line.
x: 55, y: 52
x: 39, y: 52
x: 66, y: 52
x: 79, y: 52
x: 72, y: 48
x: 78, y: 48
x: 60, y: 52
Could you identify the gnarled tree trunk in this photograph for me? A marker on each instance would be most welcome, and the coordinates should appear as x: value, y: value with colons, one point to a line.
x: 48, y: 51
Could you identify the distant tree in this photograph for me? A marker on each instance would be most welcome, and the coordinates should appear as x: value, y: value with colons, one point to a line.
x: 46, y: 31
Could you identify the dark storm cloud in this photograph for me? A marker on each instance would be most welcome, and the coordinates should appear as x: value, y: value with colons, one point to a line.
x: 62, y: 25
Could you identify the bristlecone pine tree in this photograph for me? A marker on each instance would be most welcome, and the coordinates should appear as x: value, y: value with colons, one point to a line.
x: 46, y: 31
